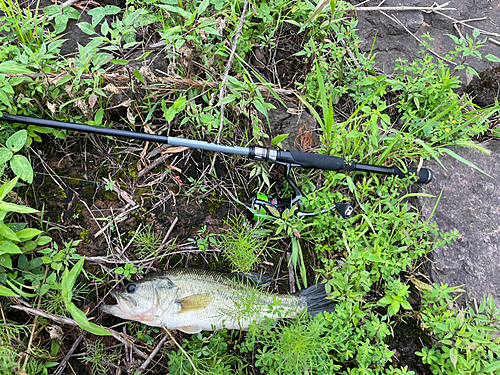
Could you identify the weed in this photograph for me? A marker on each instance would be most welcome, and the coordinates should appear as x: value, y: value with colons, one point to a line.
x: 292, y: 348
x: 242, y: 244
x: 204, y: 240
x: 98, y: 359
x: 146, y: 242
x: 466, y: 341
x: 208, y: 354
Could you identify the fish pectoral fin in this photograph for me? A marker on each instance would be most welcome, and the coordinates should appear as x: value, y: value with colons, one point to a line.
x: 194, y: 302
x: 190, y: 329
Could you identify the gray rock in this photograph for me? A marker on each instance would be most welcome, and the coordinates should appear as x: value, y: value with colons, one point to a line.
x: 392, y: 40
x: 469, y: 204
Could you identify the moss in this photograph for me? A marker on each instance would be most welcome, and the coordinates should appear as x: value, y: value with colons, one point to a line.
x: 89, y: 191
x: 60, y: 193
x: 139, y: 194
x: 132, y: 170
x: 110, y: 196
x: 48, y: 182
x: 77, y: 213
x: 213, y: 206
x: 85, y: 235
x: 74, y: 180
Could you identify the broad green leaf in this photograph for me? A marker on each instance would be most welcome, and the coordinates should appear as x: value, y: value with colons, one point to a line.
x: 83, y: 322
x: 22, y: 167
x: 17, y: 140
x: 5, y: 261
x: 374, y: 258
x: 86, y: 27
x: 6, y: 292
x: 8, y: 247
x: 19, y: 291
x: 459, y: 158
x: 454, y: 357
x: 4, y: 98
x: 120, y: 61
x: 43, y: 240
x: 27, y: 234
x: 278, y: 139
x: 492, y: 58
x: 13, y: 67
x: 202, y: 7
x: 5, y: 155
x: 492, y: 367
x: 52, y: 10
x: 23, y: 262
x: 69, y: 278
x: 139, y: 76
x: 7, y: 233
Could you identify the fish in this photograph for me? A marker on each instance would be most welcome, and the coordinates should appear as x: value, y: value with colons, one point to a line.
x: 195, y: 300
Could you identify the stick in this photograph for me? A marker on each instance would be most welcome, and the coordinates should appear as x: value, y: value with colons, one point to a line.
x: 463, y: 23
x: 228, y: 67
x: 403, y: 8
x: 62, y: 320
x: 153, y: 354
x: 63, y: 363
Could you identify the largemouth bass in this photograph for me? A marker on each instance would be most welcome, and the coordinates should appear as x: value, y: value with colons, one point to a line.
x: 194, y: 300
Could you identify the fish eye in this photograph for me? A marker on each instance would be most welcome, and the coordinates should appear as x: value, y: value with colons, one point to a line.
x: 131, y: 288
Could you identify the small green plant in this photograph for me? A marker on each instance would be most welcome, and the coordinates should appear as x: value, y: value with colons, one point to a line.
x: 242, y: 244
x: 110, y: 184
x: 296, y: 348
x: 204, y: 240
x: 57, y: 259
x: 100, y: 361
x: 466, y: 341
x: 206, y: 354
x: 19, y: 164
x: 128, y: 270
x: 146, y: 242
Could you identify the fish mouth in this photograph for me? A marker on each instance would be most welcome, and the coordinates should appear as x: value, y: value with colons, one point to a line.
x: 123, y: 307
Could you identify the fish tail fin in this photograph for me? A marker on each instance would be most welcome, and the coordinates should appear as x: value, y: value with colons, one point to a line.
x: 314, y: 299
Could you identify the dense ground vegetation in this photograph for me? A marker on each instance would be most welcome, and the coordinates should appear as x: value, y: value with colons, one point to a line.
x: 224, y: 65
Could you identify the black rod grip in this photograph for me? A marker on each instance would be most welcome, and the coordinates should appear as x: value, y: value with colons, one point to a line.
x: 309, y: 160
x: 424, y: 175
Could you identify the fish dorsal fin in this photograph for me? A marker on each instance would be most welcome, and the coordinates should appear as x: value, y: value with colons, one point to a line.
x: 194, y: 302
x: 190, y: 329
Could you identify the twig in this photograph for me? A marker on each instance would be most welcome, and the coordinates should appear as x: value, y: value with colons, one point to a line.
x: 169, y: 231
x: 65, y: 360
x: 228, y: 67
x: 153, y: 354
x: 465, y: 24
x: 413, y: 35
x: 119, y: 218
x: 494, y: 41
x: 68, y: 3
x: 404, y: 8
x: 62, y: 320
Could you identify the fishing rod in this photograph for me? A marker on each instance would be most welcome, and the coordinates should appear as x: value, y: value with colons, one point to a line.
x: 261, y: 203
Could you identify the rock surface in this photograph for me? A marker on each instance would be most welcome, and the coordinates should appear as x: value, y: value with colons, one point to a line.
x: 469, y: 204
x: 393, y: 39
